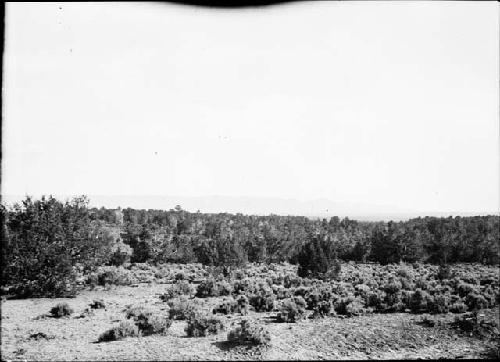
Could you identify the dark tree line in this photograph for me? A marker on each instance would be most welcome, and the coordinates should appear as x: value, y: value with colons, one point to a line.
x: 216, y: 239
x: 45, y: 241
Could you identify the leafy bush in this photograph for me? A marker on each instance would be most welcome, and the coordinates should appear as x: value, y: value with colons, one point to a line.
x: 61, y: 310
x: 181, y: 308
x: 322, y: 309
x: 147, y: 321
x: 243, y: 304
x: 281, y: 292
x: 478, y: 324
x: 320, y: 301
x: 441, y: 304
x: 475, y: 301
x: 224, y: 288
x: 458, y: 307
x: 179, y: 288
x: 249, y: 333
x: 199, y: 325
x: 121, y: 254
x: 123, y: 330
x: 349, y: 306
x: 227, y: 306
x: 292, y: 310
x: 180, y: 276
x: 421, y: 302
x: 262, y: 298
x: 111, y: 275
x: 207, y: 288
x: 444, y: 272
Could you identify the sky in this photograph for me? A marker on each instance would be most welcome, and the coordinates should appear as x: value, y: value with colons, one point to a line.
x: 381, y: 103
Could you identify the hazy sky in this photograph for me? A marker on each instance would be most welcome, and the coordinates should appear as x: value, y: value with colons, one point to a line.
x: 391, y: 103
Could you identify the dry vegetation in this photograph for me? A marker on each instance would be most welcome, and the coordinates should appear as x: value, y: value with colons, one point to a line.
x: 173, y: 312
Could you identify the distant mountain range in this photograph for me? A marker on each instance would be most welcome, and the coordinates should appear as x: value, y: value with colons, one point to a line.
x: 318, y: 208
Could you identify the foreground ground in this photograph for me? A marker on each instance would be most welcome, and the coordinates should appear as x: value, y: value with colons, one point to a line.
x: 374, y: 336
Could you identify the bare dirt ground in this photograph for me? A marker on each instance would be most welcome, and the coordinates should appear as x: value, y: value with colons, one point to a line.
x: 376, y: 336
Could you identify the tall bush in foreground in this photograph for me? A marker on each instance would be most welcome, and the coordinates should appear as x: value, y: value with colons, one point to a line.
x: 45, y: 240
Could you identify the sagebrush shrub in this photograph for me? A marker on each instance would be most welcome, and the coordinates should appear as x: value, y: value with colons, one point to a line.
x: 112, y: 275
x: 465, y: 289
x: 322, y: 309
x: 262, y: 300
x: 207, y: 288
x: 281, y: 292
x: 292, y: 310
x: 123, y: 330
x: 182, y: 287
x: 227, y: 306
x: 301, y: 291
x: 61, y: 310
x: 200, y: 325
x: 421, y: 301
x: 444, y: 272
x: 249, y: 333
x: 242, y: 304
x: 153, y: 323
x: 148, y: 321
x: 480, y: 325
x: 180, y: 276
x: 441, y: 304
x: 349, y: 306
x: 181, y: 308
x: 458, y: 307
x: 476, y: 301
x: 97, y: 304
x: 224, y: 288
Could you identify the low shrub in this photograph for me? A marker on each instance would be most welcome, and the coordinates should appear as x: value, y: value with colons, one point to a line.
x: 249, y: 333
x: 242, y: 303
x: 147, y: 321
x: 475, y: 301
x: 458, y: 307
x: 61, y: 310
x: 111, y: 275
x: 349, y: 306
x: 281, y: 292
x: 322, y: 309
x: 421, y: 302
x: 180, y: 276
x: 123, y: 330
x: 40, y: 335
x: 181, y: 308
x: 179, y: 288
x: 444, y: 272
x: 207, y: 288
x: 292, y: 310
x: 224, y: 288
x: 97, y: 304
x: 262, y: 302
x: 441, y: 304
x: 199, y: 325
x: 478, y: 324
x: 227, y: 306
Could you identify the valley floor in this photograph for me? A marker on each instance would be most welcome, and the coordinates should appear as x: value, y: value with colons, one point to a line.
x: 375, y: 336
